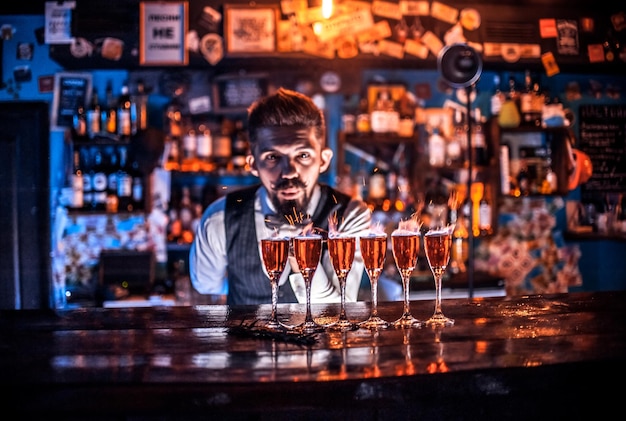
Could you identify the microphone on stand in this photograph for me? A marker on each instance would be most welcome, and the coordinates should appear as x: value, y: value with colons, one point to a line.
x: 461, y: 66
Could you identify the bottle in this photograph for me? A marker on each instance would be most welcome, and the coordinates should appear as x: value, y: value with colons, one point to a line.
x: 538, y: 102
x: 389, y: 204
x: 239, y: 147
x: 182, y: 284
x: 112, y: 202
x: 363, y: 118
x: 479, y: 144
x: 79, y: 121
x: 172, y: 153
x: 456, y: 145
x: 485, y: 211
x: 137, y: 189
x: 94, y: 115
x: 509, y: 116
x: 99, y: 181
x: 109, y: 116
x: 124, y: 182
x: 377, y: 195
x: 174, y: 119
x: 186, y: 215
x: 76, y: 183
x: 125, y: 112
x: 140, y: 99
x: 526, y: 100
x: 204, y: 146
x: 222, y: 144
x: 523, y: 180
x: 384, y: 118
x: 436, y: 148
x: 476, y: 193
x: 190, y: 145
x: 85, y: 157
x: 460, y: 251
x: 404, y: 200
x: 498, y: 97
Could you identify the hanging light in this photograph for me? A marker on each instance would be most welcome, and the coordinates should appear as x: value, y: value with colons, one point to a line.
x: 327, y: 8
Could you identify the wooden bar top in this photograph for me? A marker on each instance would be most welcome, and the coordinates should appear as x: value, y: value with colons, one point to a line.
x: 511, y: 358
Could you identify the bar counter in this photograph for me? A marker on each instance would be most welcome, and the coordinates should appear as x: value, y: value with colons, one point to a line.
x: 556, y: 356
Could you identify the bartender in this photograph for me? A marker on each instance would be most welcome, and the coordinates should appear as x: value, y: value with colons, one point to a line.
x: 288, y: 152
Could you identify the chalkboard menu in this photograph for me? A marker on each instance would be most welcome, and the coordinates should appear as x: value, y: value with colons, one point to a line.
x: 70, y: 90
x: 237, y: 93
x: 603, y: 138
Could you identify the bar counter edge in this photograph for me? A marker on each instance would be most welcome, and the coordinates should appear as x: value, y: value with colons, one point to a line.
x: 544, y: 356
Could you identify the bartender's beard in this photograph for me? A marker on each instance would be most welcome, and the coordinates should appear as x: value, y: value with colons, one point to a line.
x: 293, y: 210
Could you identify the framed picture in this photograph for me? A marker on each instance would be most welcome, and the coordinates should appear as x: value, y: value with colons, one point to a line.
x: 162, y: 29
x: 250, y: 29
x: 235, y: 93
x: 70, y: 90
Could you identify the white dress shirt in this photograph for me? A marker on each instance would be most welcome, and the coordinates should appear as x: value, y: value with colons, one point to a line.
x: 207, y: 258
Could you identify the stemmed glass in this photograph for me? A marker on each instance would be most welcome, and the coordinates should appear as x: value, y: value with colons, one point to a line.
x: 437, y: 245
x: 373, y: 249
x: 275, y: 251
x: 307, y: 250
x: 341, y: 249
x: 405, y: 245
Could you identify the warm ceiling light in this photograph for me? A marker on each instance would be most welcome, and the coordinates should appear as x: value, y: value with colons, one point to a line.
x: 327, y: 8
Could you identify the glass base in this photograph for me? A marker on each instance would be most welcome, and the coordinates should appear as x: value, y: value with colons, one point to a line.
x: 374, y: 322
x: 439, y: 320
x: 342, y: 326
x: 309, y: 327
x: 407, y: 321
x: 276, y: 326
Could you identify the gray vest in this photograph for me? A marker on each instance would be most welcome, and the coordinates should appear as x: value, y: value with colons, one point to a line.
x: 247, y: 283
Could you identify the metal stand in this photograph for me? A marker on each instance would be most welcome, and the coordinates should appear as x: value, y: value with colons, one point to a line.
x: 470, y: 234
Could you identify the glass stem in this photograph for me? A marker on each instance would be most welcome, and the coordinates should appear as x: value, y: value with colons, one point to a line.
x: 342, y: 285
x: 307, y: 285
x: 405, y: 286
x: 274, y: 316
x: 374, y: 281
x: 438, y: 278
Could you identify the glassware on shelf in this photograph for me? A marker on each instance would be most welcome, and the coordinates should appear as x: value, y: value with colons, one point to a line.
x: 374, y: 249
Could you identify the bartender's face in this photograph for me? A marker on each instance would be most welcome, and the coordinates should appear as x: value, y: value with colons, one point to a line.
x: 288, y: 162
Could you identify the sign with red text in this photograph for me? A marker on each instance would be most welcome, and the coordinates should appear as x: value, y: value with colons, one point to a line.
x: 162, y: 30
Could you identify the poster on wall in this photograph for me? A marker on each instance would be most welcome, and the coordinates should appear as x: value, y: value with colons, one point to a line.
x: 162, y: 29
x: 250, y: 29
x: 58, y: 28
x: 70, y: 90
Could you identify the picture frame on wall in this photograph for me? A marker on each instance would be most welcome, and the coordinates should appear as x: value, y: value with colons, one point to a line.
x: 250, y: 29
x: 162, y: 29
x: 235, y: 93
x: 70, y: 90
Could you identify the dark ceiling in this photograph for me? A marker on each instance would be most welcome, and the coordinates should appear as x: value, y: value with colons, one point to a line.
x: 37, y: 7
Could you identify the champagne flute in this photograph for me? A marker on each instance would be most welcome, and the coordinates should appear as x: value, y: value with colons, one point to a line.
x: 437, y: 245
x: 373, y: 249
x: 307, y: 250
x: 405, y: 246
x: 341, y: 250
x: 275, y: 251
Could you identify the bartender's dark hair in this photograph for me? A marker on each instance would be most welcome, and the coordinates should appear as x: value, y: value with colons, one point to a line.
x: 285, y: 108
